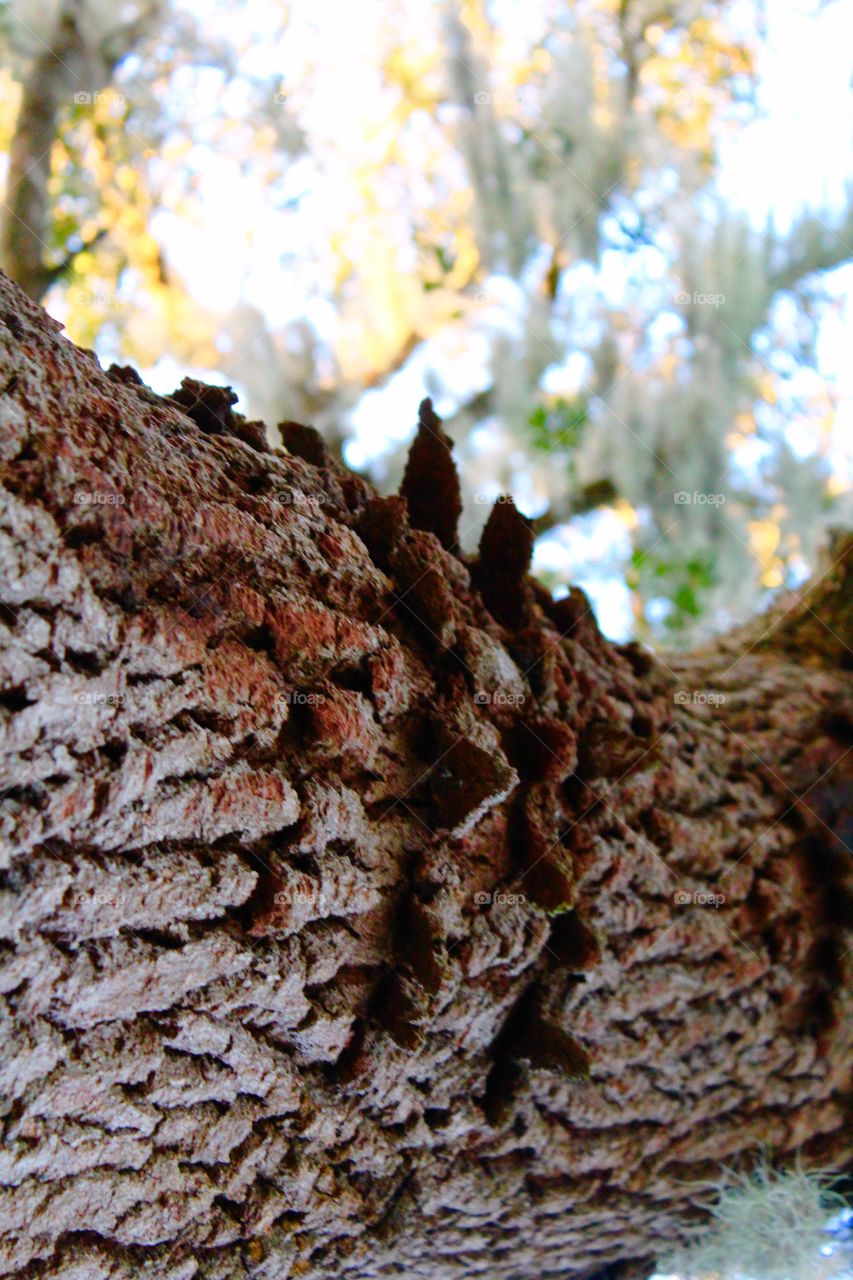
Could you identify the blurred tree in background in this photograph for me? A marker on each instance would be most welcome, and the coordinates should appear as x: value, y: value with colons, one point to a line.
x: 519, y: 211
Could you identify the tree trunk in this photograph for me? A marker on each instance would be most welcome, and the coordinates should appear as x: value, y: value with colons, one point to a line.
x: 74, y: 65
x: 58, y: 73
x: 365, y: 912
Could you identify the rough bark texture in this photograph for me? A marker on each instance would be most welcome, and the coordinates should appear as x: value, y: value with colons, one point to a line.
x: 355, y: 915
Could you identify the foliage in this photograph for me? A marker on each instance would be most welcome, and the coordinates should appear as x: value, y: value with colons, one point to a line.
x: 767, y: 1225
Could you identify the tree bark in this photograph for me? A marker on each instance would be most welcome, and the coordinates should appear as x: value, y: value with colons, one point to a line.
x: 365, y: 912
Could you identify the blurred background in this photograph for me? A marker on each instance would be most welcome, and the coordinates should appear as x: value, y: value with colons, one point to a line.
x: 612, y: 239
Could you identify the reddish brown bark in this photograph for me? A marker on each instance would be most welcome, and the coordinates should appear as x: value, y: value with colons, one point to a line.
x: 341, y: 918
